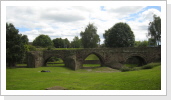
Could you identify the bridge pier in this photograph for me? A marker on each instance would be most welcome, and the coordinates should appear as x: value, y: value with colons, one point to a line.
x: 35, y: 59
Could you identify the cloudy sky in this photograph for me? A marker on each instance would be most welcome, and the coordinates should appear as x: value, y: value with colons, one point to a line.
x: 69, y: 21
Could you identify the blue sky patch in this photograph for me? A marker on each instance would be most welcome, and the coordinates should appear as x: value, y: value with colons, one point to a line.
x: 155, y: 7
x: 23, y: 29
x: 134, y: 16
x: 102, y: 8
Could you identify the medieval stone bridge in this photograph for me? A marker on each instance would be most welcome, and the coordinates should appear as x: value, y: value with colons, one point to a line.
x: 111, y: 57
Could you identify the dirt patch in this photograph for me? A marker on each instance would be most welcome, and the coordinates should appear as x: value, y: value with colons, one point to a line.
x: 56, y: 88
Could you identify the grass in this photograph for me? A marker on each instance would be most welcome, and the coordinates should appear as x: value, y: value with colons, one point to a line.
x: 21, y: 65
x: 91, y: 65
x: 92, y: 57
x: 102, y: 78
x: 130, y: 65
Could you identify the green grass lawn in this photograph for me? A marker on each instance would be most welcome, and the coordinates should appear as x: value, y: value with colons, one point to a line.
x: 102, y: 78
x: 91, y: 65
x: 92, y: 57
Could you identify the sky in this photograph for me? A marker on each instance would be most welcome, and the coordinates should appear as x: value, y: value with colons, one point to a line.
x: 69, y: 21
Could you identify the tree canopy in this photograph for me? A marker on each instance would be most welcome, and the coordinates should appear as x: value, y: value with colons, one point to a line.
x: 120, y: 35
x: 141, y: 43
x: 15, y: 50
x: 76, y: 43
x: 43, y: 41
x: 61, y: 43
x: 89, y: 37
x: 154, y: 30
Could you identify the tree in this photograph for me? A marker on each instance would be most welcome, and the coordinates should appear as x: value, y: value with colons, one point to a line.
x: 15, y: 50
x: 58, y: 43
x: 120, y: 35
x: 89, y: 37
x: 141, y: 43
x: 76, y: 43
x: 152, y: 42
x: 66, y: 43
x: 43, y: 41
x: 106, y: 35
x: 154, y: 29
x: 61, y: 43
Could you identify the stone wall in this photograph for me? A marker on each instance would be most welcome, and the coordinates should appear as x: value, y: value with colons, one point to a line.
x: 112, y: 57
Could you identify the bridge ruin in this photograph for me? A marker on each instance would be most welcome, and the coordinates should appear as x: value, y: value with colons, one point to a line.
x: 110, y: 57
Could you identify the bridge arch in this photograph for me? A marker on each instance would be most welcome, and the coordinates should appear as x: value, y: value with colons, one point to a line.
x: 50, y: 56
x: 136, y: 59
x: 101, y: 59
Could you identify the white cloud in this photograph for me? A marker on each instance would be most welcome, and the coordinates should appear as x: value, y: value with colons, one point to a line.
x: 68, y: 22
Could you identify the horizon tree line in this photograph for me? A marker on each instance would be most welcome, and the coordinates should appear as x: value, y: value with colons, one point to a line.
x: 119, y: 35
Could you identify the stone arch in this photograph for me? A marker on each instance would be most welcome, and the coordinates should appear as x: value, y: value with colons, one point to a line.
x: 47, y: 58
x: 101, y: 59
x: 142, y: 60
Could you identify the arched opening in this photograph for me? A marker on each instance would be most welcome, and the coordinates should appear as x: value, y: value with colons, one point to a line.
x: 54, y: 62
x: 92, y: 60
x: 135, y: 61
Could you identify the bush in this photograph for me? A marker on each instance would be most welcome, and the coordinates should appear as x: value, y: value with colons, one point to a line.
x: 50, y: 48
x: 149, y: 66
x: 124, y: 69
x: 32, y: 48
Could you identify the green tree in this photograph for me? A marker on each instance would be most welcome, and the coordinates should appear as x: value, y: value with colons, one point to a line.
x: 66, y: 43
x: 15, y: 50
x: 43, y: 41
x: 154, y: 29
x: 58, y: 43
x: 30, y: 47
x: 120, y: 35
x: 89, y: 37
x: 141, y: 43
x: 76, y: 43
x: 106, y: 36
x: 152, y: 42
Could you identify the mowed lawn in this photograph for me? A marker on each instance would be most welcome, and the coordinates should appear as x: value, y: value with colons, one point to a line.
x: 102, y: 78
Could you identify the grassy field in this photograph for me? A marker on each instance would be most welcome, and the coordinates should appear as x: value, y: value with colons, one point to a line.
x: 102, y: 78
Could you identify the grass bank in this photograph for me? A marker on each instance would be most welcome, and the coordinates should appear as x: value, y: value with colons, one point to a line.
x: 102, y: 78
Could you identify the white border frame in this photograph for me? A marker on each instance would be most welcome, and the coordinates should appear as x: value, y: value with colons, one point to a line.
x: 83, y: 92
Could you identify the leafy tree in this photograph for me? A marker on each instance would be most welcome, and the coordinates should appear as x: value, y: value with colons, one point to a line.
x: 30, y: 48
x: 43, y: 41
x: 89, y: 37
x: 152, y: 42
x: 15, y: 50
x: 154, y: 29
x: 76, y: 43
x: 61, y: 43
x: 141, y: 43
x: 120, y: 35
x: 66, y: 43
x: 106, y: 36
x: 58, y: 43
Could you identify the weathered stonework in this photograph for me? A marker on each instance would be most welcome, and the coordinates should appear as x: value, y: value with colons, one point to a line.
x: 74, y: 59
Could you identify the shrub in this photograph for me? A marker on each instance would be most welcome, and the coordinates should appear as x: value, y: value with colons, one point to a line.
x: 124, y: 69
x: 149, y: 66
x: 50, y: 48
x: 32, y: 48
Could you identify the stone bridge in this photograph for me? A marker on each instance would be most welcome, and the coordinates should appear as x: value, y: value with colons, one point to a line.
x: 110, y: 57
